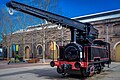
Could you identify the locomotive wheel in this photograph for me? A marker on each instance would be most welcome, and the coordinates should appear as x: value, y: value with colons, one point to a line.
x: 88, y: 72
x: 91, y: 70
x: 99, y: 69
x: 84, y: 73
x: 59, y: 70
x: 63, y: 74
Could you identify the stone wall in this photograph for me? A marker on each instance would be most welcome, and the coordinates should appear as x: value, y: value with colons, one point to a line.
x: 113, y: 32
x: 34, y: 38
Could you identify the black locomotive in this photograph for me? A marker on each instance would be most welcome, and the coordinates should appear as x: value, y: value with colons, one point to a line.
x: 83, y: 57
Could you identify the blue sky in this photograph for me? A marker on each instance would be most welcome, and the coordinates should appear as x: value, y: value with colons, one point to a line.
x: 74, y: 8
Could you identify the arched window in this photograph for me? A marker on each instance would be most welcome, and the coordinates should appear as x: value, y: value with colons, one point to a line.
x: 39, y: 50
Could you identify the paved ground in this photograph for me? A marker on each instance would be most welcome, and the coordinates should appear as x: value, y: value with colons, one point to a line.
x: 45, y: 72
x: 4, y: 64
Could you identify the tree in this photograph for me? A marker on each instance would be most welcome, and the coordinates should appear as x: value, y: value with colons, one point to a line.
x: 19, y: 20
x: 47, y: 5
x: 7, y: 26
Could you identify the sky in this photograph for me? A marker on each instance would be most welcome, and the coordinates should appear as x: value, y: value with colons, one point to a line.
x: 75, y: 8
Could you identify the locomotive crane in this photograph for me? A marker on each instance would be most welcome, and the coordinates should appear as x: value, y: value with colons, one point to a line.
x: 85, y: 54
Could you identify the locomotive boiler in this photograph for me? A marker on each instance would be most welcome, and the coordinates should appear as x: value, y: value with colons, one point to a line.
x: 85, y: 54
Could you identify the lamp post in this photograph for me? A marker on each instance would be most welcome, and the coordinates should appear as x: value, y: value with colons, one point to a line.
x: 106, y: 31
x: 43, y: 60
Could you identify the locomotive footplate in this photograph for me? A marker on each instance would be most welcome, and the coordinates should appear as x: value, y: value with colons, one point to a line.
x: 74, y: 65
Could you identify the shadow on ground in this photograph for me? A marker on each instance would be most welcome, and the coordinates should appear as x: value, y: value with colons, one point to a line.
x: 47, y: 73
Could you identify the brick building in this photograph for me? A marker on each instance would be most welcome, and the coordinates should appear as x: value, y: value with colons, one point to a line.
x: 35, y: 40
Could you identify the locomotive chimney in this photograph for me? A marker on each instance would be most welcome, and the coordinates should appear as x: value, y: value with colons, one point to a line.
x: 73, y: 35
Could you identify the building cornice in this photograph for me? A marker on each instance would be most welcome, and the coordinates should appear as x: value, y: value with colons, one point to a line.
x: 99, y: 16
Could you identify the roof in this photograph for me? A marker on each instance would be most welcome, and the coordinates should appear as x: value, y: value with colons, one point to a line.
x: 35, y: 27
x: 99, y: 16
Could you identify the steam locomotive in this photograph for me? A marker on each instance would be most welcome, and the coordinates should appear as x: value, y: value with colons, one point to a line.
x: 83, y: 59
x: 85, y: 54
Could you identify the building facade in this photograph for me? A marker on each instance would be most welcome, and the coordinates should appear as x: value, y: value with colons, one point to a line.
x: 35, y: 41
x: 108, y: 25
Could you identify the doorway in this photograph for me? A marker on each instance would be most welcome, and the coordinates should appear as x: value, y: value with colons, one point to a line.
x: 27, y: 52
x: 117, y: 52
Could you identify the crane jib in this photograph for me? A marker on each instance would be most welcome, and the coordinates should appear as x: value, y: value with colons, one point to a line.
x: 58, y: 19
